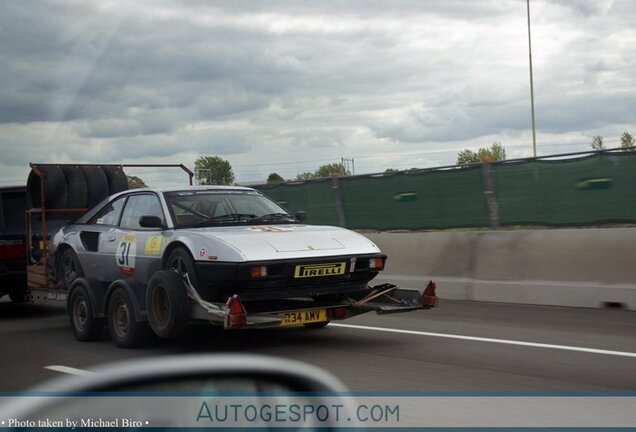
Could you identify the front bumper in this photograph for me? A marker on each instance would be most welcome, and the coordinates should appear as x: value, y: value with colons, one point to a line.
x: 218, y: 281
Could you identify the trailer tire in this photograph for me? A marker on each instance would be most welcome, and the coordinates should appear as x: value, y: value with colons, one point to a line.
x: 55, y: 190
x: 125, y: 330
x: 117, y: 181
x: 85, y: 325
x: 97, y: 185
x: 68, y: 268
x: 167, y: 304
x: 77, y: 187
x: 18, y: 295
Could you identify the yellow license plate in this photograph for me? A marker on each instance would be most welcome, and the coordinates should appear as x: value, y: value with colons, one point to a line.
x: 317, y: 270
x: 303, y: 317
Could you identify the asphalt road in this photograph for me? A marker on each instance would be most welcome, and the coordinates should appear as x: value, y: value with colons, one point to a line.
x: 588, y: 350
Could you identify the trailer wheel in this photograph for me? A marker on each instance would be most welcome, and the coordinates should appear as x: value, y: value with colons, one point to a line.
x: 125, y: 330
x: 97, y: 184
x: 317, y: 325
x: 68, y: 268
x: 167, y: 304
x: 85, y: 325
x: 18, y: 295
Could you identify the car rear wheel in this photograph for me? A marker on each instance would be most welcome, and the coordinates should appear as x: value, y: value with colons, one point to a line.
x: 84, y: 323
x: 68, y: 269
x: 125, y: 330
x: 168, y: 304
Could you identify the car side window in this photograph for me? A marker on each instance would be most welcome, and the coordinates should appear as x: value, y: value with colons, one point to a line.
x: 138, y: 206
x: 109, y: 215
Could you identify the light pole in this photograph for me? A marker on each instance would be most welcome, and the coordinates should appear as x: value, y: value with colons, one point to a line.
x: 534, y: 134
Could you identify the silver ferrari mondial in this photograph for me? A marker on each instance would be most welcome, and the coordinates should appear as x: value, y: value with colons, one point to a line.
x: 228, y: 241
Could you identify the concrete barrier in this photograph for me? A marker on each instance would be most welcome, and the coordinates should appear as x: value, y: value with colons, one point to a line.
x: 559, y: 267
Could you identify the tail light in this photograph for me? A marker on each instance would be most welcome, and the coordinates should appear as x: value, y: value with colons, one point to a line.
x: 429, y: 298
x: 237, y: 315
x: 10, y: 249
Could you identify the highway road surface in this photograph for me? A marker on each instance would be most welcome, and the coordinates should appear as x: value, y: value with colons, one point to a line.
x: 460, y: 346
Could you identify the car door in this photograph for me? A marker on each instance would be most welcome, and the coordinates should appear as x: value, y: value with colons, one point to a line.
x: 138, y: 249
x: 97, y: 241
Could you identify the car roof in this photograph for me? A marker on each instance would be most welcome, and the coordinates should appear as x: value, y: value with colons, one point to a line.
x: 204, y: 188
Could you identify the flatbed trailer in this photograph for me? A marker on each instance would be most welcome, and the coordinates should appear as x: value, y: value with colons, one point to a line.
x: 90, y: 303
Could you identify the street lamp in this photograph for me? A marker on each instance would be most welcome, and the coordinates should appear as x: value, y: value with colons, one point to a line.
x: 534, y: 134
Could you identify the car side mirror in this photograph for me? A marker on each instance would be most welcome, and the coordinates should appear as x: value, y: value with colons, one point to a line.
x: 148, y: 221
x: 301, y: 216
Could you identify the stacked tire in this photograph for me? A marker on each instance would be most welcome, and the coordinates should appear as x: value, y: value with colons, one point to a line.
x: 76, y: 187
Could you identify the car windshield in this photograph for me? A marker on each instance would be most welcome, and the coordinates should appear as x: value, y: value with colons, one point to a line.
x: 214, y: 208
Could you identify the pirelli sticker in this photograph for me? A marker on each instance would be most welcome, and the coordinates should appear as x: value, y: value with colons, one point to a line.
x: 317, y: 270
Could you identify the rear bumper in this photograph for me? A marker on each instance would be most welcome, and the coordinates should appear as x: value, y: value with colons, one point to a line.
x: 382, y: 299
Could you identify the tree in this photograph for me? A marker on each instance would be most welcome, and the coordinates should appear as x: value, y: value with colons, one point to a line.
x: 334, y: 169
x: 390, y: 170
x: 274, y: 178
x: 327, y: 170
x: 627, y: 141
x: 597, y: 143
x: 212, y: 170
x: 495, y: 152
x: 135, y: 182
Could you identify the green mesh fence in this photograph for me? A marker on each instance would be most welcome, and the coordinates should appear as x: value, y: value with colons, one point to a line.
x: 314, y: 197
x: 433, y: 199
x: 595, y: 189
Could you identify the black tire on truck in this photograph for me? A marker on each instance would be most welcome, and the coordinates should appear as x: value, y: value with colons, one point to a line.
x: 76, y: 186
x: 85, y: 324
x: 167, y: 304
x: 117, y: 181
x: 55, y: 189
x: 125, y: 330
x: 97, y: 185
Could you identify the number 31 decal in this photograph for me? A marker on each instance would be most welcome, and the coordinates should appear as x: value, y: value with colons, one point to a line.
x: 125, y: 255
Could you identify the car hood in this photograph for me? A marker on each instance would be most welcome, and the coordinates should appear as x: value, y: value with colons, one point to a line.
x: 272, y: 242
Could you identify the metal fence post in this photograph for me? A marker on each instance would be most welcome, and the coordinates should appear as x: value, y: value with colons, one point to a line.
x: 337, y: 198
x: 488, y: 173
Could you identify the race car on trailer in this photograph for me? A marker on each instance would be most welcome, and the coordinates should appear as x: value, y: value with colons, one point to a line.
x: 225, y: 254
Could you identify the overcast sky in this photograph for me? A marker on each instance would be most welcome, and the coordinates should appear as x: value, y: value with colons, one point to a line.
x: 285, y: 86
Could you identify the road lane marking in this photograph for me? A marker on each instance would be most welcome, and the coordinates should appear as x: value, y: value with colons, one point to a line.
x: 68, y: 370
x: 483, y: 339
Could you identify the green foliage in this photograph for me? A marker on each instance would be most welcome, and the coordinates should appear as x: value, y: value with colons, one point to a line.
x: 327, y: 170
x: 212, y: 170
x: 495, y: 152
x: 597, y: 143
x: 390, y: 170
x: 627, y: 141
x: 274, y: 178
